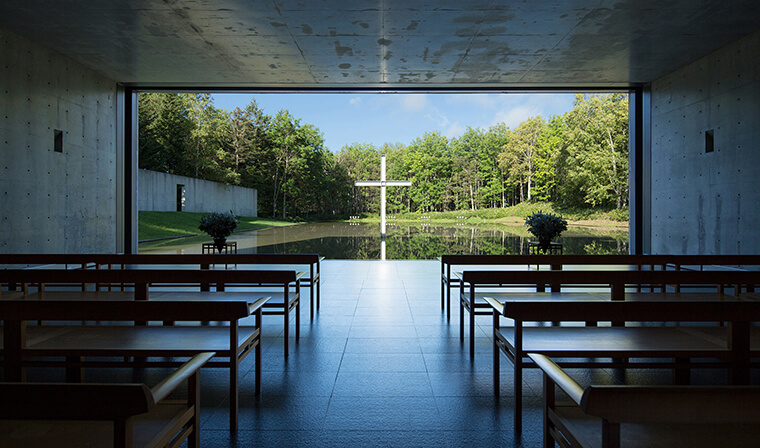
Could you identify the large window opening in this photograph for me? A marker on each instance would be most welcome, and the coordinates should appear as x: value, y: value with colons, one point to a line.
x: 474, y: 159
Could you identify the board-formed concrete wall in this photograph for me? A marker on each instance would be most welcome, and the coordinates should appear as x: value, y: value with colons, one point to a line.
x: 158, y: 192
x: 707, y: 202
x: 55, y: 202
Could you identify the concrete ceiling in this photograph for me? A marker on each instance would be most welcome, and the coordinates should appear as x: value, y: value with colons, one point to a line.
x: 382, y: 44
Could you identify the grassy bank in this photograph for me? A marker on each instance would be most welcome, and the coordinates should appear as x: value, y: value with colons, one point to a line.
x: 577, y: 216
x: 154, y: 225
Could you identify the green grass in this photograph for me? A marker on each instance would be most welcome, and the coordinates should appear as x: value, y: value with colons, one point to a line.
x: 516, y: 213
x: 153, y: 225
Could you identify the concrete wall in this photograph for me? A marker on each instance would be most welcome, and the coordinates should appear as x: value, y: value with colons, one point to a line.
x: 158, y: 192
x: 55, y: 202
x: 707, y: 203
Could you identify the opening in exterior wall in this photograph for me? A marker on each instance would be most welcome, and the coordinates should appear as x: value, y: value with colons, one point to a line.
x: 709, y: 141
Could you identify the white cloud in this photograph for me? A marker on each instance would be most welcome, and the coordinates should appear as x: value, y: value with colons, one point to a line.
x: 513, y: 116
x: 355, y: 101
x: 455, y: 130
x: 414, y: 102
x: 436, y: 116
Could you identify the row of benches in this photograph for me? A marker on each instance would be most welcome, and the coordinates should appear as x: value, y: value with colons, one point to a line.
x: 622, y: 327
x: 309, y: 262
x: 133, y: 289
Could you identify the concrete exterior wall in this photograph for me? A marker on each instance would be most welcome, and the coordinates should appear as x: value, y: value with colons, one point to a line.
x: 158, y: 192
x: 707, y: 203
x: 55, y: 202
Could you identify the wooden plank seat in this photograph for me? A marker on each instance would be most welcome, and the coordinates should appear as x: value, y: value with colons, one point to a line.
x: 103, y: 415
x: 143, y: 279
x: 615, y: 281
x: 453, y: 265
x: 189, y: 261
x: 611, y: 416
x: 79, y: 346
x: 658, y: 346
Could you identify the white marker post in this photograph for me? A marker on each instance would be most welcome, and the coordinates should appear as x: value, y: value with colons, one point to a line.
x: 382, y: 183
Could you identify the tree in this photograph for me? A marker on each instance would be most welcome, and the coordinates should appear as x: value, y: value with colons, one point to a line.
x: 207, y: 136
x: 465, y: 176
x: 428, y: 166
x: 164, y: 133
x: 491, y: 173
x: 551, y: 140
x: 597, y: 139
x: 246, y: 142
x: 519, y: 155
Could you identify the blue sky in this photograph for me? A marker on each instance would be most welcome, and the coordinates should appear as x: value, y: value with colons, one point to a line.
x: 378, y: 118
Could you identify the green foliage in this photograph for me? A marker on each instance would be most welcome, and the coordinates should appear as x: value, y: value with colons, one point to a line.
x: 577, y: 161
x: 219, y: 225
x: 545, y: 226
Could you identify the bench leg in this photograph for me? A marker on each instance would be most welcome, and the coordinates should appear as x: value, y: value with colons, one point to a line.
x: 287, y: 325
x: 549, y: 402
x: 311, y: 301
x: 518, y: 362
x: 461, y: 317
x: 448, y: 303
x: 298, y: 320
x: 74, y: 374
x: 472, y: 330
x: 193, y: 399
x: 122, y: 433
x: 443, y: 295
x: 14, y: 333
x: 681, y: 375
x: 234, y: 376
x: 496, y: 368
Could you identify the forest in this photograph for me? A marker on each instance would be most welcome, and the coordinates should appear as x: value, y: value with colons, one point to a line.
x: 579, y: 158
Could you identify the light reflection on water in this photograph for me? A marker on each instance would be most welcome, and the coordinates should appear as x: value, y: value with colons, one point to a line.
x: 355, y: 241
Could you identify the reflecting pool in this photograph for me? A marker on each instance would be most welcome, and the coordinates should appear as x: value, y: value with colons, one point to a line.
x: 361, y: 241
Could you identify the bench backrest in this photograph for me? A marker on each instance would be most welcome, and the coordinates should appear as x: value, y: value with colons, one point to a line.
x: 632, y: 311
x: 630, y: 260
x: 70, y: 401
x: 618, y: 280
x: 156, y: 259
x: 106, y: 310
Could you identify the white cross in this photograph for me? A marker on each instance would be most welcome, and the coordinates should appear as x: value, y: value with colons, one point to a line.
x: 382, y: 183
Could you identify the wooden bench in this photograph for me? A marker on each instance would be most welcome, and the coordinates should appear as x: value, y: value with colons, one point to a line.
x: 647, y: 416
x: 75, y: 346
x: 285, y: 298
x: 110, y: 415
x: 590, y: 277
x: 452, y: 265
x: 728, y: 347
x: 161, y: 261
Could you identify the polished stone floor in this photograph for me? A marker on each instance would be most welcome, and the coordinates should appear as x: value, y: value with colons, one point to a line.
x: 378, y: 366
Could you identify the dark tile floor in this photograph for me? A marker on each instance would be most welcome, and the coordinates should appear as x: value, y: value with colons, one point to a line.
x: 378, y: 366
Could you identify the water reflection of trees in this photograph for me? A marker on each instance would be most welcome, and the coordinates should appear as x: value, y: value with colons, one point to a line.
x: 429, y: 242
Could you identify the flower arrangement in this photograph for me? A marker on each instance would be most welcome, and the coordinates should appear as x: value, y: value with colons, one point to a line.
x: 219, y: 225
x: 545, y: 227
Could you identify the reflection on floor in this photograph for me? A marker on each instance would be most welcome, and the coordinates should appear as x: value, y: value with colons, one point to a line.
x: 378, y: 366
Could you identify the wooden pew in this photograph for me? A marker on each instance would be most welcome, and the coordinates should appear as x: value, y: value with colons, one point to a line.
x: 75, y: 346
x: 728, y: 346
x: 118, y: 415
x: 140, y: 279
x: 473, y: 283
x: 452, y: 264
x: 647, y: 416
x: 137, y: 261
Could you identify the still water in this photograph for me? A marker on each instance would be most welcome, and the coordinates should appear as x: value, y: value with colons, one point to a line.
x: 360, y: 241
